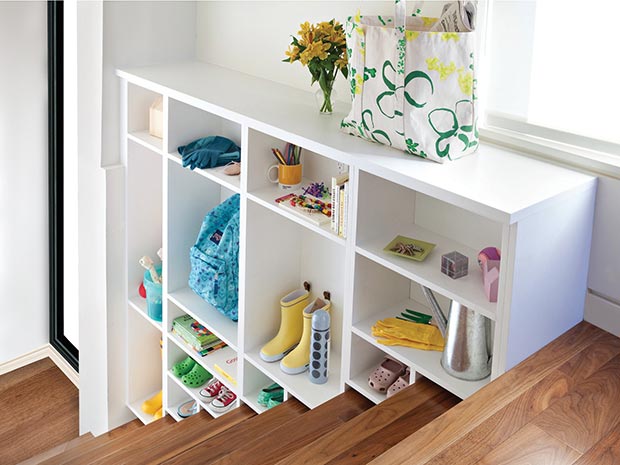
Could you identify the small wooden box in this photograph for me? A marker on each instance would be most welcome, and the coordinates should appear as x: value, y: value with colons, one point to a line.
x: 156, y: 118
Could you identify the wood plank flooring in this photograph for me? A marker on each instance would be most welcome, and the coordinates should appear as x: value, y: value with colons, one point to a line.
x: 38, y: 411
x: 560, y: 406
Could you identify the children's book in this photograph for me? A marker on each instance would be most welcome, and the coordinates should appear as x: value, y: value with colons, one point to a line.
x: 193, y: 332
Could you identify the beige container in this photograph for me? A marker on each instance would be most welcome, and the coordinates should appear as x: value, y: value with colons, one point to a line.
x: 156, y: 118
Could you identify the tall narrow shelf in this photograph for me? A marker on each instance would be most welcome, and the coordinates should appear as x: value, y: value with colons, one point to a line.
x: 493, y: 198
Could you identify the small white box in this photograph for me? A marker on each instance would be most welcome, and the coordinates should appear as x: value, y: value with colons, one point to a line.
x: 156, y: 118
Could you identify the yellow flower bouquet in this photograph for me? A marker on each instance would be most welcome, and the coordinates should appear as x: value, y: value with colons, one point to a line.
x: 322, y: 48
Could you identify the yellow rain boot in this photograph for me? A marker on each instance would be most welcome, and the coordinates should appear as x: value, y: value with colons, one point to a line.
x: 291, y: 325
x: 158, y: 414
x: 298, y: 360
x: 152, y: 405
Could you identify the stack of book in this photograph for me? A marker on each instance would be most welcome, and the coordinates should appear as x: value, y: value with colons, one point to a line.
x: 199, y: 338
x: 340, y: 204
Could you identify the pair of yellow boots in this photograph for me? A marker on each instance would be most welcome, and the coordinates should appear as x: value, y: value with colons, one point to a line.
x: 291, y: 346
x: 153, y: 406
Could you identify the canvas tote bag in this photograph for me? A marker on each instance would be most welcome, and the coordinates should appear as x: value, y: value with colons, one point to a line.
x: 412, y: 89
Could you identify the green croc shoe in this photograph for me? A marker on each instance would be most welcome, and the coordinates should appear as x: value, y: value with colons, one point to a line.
x: 183, y: 367
x: 196, y: 377
x: 273, y: 403
x: 274, y: 391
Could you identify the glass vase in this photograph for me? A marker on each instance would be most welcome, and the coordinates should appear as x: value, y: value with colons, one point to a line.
x: 325, y: 99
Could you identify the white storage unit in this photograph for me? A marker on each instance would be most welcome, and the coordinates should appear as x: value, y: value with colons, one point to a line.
x: 538, y: 214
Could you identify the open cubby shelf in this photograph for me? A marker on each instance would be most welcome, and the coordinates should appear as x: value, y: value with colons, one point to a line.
x: 534, y: 212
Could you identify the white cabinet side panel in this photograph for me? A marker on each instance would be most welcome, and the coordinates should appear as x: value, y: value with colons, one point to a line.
x: 550, y: 274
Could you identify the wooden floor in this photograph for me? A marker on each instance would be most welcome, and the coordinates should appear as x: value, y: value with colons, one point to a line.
x: 559, y: 407
x: 38, y: 411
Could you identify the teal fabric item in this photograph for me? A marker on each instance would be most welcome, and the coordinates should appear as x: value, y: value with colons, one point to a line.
x: 209, y: 152
x: 214, y: 258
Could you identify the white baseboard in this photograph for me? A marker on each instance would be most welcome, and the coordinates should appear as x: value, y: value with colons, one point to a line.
x: 602, y: 313
x: 39, y: 354
x: 64, y: 366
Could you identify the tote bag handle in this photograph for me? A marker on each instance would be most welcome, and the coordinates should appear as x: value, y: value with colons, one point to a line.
x: 400, y: 23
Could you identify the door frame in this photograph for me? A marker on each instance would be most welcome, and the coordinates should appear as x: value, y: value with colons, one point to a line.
x: 55, y: 80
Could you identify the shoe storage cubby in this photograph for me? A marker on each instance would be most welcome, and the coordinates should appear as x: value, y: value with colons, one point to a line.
x: 222, y: 358
x: 365, y: 357
x: 187, y: 124
x: 140, y: 100
x: 302, y: 255
x: 144, y: 364
x: 176, y: 396
x: 178, y: 351
x: 254, y: 380
x: 315, y: 168
x: 379, y: 293
x: 532, y: 211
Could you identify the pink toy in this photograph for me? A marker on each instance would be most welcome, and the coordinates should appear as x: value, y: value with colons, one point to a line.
x: 488, y: 253
x: 490, y: 278
x: 488, y: 259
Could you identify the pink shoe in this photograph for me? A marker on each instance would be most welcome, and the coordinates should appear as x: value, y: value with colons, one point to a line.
x: 385, y: 374
x: 224, y: 401
x: 212, y: 390
x: 400, y: 384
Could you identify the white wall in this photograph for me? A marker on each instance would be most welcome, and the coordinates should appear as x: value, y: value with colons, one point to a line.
x: 23, y: 178
x: 111, y: 35
x: 252, y: 36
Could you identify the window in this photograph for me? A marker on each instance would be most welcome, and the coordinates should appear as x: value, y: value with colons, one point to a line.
x: 554, y: 71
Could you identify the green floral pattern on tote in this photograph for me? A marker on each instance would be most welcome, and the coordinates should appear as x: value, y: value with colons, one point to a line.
x: 389, y: 95
x: 366, y: 129
x: 445, y: 123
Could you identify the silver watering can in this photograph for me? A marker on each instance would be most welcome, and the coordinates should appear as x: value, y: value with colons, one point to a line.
x: 467, y: 353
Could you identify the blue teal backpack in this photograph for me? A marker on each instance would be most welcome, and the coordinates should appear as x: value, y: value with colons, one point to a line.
x: 214, y: 258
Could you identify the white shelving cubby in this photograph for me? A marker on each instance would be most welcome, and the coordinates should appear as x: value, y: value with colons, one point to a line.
x: 177, y: 395
x: 309, y: 257
x: 139, y: 102
x: 190, y: 198
x: 365, y: 357
x: 254, y: 380
x: 144, y: 364
x: 538, y: 214
x: 315, y: 168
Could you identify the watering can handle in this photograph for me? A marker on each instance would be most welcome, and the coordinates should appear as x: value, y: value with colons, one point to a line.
x: 438, y: 314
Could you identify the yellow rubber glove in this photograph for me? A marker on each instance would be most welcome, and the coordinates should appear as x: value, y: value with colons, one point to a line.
x: 392, y: 331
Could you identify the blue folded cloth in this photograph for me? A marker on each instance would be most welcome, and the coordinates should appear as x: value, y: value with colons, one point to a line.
x: 209, y: 152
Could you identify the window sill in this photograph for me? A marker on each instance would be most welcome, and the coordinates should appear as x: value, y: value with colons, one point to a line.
x: 557, y: 152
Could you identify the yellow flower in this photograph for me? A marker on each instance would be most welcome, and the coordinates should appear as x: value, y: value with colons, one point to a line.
x: 314, y: 50
x: 446, y: 36
x: 412, y: 35
x: 323, y: 29
x: 341, y: 62
x: 306, y: 33
x: 292, y: 53
x: 359, y: 82
x: 358, y: 17
x: 445, y: 71
x: 466, y: 82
